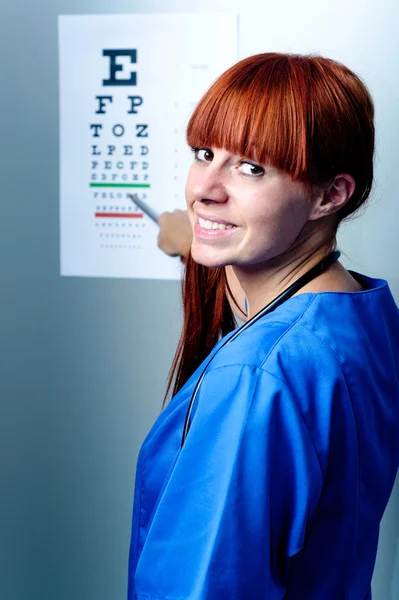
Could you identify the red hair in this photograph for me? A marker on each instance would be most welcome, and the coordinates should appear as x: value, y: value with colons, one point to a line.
x: 309, y: 116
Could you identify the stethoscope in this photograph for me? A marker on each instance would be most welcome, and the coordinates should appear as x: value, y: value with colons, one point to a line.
x: 290, y: 291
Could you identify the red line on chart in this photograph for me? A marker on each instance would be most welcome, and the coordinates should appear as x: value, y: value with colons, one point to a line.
x: 119, y: 215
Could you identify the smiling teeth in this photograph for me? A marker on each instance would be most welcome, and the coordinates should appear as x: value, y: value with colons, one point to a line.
x: 213, y: 225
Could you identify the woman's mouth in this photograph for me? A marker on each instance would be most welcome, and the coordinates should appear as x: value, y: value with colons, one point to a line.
x: 206, y: 224
x: 206, y: 228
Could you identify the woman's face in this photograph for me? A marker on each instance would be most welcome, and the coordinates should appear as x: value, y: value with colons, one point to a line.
x: 242, y: 213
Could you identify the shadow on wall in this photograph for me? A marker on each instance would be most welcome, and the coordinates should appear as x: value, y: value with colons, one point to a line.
x: 386, y: 573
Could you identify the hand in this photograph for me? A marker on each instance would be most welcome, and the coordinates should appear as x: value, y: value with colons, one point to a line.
x: 175, y: 232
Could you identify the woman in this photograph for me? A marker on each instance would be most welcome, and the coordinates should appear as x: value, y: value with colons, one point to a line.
x: 288, y: 457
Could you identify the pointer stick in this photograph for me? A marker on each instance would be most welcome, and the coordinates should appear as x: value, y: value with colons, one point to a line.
x: 145, y: 207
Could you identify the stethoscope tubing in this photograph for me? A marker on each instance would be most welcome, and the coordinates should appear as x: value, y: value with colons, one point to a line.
x: 314, y: 272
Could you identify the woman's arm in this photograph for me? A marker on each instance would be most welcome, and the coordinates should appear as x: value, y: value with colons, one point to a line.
x: 236, y: 506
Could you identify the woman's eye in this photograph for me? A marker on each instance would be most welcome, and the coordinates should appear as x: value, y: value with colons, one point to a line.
x: 203, y: 154
x: 247, y: 168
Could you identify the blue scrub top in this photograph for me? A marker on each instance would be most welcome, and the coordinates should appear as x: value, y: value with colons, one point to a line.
x: 291, y: 457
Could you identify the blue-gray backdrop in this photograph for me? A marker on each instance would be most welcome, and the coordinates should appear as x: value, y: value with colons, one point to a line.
x: 83, y: 362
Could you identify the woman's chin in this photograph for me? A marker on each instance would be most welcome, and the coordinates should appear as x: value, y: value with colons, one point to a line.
x: 207, y: 258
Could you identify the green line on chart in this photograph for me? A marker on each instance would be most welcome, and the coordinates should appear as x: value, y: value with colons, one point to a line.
x: 121, y: 185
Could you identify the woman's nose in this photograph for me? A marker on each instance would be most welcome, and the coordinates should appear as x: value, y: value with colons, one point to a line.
x: 210, y: 185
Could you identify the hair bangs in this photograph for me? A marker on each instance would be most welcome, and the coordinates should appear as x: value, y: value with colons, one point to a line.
x: 258, y: 113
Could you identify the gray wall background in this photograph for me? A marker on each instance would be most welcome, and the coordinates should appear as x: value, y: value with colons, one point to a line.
x: 83, y: 362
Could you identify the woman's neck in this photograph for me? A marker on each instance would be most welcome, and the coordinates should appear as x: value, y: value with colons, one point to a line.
x: 264, y: 282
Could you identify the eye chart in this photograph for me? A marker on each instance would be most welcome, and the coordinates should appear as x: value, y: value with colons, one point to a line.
x: 128, y: 84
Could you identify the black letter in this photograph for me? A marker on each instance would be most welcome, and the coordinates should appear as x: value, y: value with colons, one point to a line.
x: 141, y: 130
x: 101, y: 104
x: 136, y: 101
x: 96, y: 128
x: 122, y: 130
x: 114, y: 68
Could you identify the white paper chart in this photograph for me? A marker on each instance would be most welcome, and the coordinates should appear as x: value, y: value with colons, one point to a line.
x: 128, y: 84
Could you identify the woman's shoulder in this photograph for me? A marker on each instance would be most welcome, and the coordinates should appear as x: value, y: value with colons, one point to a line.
x: 323, y: 355
x: 311, y: 326
x: 323, y: 346
x: 278, y: 334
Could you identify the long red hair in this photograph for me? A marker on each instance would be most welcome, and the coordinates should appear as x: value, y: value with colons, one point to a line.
x: 309, y: 116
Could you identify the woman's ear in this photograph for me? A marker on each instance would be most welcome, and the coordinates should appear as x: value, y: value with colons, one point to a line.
x: 331, y: 199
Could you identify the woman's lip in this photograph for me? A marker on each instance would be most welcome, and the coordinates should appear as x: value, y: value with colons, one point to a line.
x: 214, y: 220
